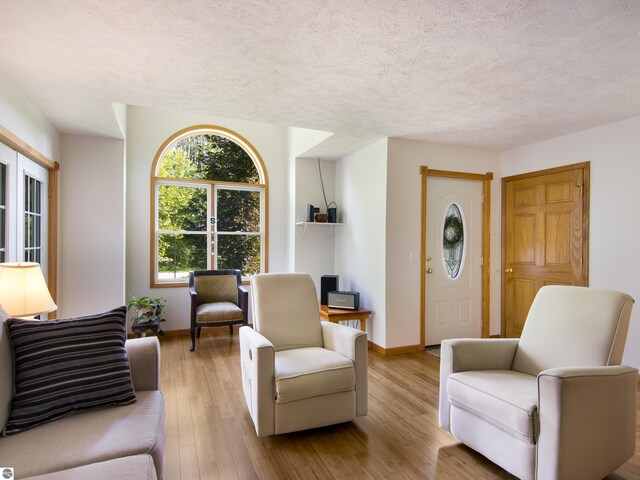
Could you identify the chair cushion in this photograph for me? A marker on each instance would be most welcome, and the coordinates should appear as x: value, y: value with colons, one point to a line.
x: 504, y: 398
x: 90, y: 437
x: 218, y: 312
x: 216, y: 288
x: 309, y: 372
x: 66, y: 366
x: 137, y: 467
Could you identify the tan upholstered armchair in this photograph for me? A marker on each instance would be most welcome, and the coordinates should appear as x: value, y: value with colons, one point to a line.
x: 299, y: 372
x: 554, y: 404
x: 217, y: 299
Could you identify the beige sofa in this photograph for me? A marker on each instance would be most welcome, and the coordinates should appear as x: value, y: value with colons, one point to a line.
x: 124, y: 442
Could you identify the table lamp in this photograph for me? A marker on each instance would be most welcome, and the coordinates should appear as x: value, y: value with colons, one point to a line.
x: 23, y: 290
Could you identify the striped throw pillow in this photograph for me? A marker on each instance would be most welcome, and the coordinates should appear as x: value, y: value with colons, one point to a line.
x: 67, y: 366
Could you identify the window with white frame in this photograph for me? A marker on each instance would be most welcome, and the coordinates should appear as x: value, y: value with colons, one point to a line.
x: 33, y: 220
x: 3, y: 212
x: 208, y: 206
x: 23, y: 209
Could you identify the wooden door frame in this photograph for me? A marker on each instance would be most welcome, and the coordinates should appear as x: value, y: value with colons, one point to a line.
x: 486, y: 179
x: 586, y: 186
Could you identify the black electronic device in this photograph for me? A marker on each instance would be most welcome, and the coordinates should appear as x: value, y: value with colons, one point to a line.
x: 332, y: 212
x: 310, y: 212
x: 328, y: 283
x: 348, y: 300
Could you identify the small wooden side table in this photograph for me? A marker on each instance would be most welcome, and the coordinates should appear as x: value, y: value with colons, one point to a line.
x: 335, y: 315
x: 137, y: 328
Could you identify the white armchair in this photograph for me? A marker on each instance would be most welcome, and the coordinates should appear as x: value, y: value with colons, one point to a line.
x: 554, y: 404
x: 299, y: 372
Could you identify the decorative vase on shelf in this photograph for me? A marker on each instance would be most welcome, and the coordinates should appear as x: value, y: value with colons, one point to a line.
x: 321, y: 217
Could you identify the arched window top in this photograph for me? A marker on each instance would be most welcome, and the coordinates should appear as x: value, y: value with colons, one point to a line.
x: 208, y: 152
x: 208, y: 207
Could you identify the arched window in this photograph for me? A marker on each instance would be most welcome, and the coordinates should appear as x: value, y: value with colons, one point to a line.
x: 208, y: 205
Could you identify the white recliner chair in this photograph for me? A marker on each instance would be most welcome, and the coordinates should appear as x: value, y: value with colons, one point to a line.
x: 299, y: 372
x: 554, y: 404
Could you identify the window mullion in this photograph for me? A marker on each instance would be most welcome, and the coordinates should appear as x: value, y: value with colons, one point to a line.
x: 211, y: 227
x: 182, y: 232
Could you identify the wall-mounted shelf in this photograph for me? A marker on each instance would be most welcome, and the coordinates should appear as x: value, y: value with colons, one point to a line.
x: 318, y: 224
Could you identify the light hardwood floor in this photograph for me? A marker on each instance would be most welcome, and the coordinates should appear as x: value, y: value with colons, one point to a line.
x: 210, y: 434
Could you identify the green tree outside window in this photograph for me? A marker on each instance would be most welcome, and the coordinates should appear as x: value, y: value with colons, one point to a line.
x: 220, y: 202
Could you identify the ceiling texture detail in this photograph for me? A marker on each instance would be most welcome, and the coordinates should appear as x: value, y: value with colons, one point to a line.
x: 489, y: 74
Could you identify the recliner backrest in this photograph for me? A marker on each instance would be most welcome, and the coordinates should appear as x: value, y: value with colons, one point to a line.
x: 573, y: 326
x: 285, y: 310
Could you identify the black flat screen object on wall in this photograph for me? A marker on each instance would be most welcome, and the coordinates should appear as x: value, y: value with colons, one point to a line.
x: 310, y: 212
x: 328, y: 283
x: 348, y: 300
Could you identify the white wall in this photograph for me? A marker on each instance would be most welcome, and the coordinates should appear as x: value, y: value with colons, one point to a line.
x: 300, y: 140
x: 23, y: 119
x: 403, y: 229
x: 146, y: 130
x: 91, y: 226
x: 614, y: 228
x: 361, y: 195
x: 120, y: 113
x: 314, y: 246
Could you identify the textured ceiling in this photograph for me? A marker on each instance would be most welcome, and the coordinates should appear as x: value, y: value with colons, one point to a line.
x: 492, y: 74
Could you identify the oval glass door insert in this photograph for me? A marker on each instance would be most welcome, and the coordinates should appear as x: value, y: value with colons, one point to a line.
x: 453, y: 241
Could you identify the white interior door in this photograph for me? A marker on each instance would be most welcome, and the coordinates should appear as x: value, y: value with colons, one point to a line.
x: 453, y: 273
x: 8, y: 209
x: 32, y: 189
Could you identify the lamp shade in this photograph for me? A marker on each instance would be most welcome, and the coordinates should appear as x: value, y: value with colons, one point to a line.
x: 23, y: 290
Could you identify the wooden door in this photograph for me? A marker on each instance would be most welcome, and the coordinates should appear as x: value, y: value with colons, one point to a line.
x: 545, y: 237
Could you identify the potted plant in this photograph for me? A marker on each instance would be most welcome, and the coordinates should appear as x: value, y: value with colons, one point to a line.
x: 147, y: 310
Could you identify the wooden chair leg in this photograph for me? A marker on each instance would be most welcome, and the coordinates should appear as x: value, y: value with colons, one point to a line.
x: 231, y: 330
x: 192, y: 333
x: 198, y: 332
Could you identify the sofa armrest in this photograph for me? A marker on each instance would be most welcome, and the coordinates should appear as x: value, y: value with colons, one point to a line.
x: 257, y: 363
x: 464, y: 354
x: 144, y: 360
x: 587, y: 420
x: 352, y: 344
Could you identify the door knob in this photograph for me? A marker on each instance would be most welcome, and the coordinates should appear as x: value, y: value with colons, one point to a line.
x: 429, y: 270
x: 508, y: 270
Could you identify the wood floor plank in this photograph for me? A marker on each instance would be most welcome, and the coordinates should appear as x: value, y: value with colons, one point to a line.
x: 189, y: 463
x: 210, y: 434
x: 186, y: 435
x: 172, y: 454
